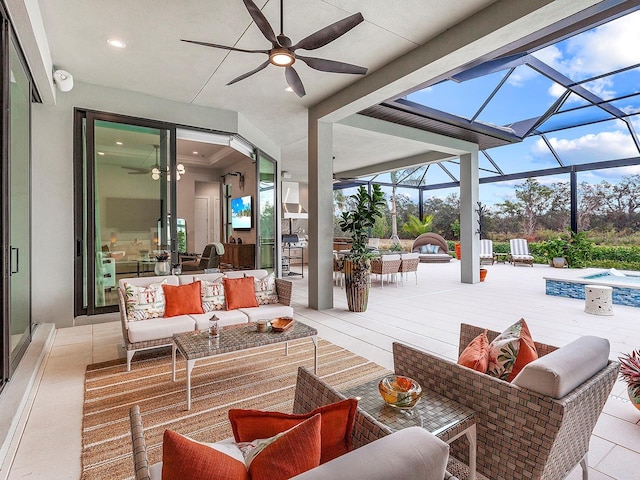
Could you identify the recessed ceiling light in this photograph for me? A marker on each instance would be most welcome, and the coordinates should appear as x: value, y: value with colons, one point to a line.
x: 288, y: 89
x: 100, y: 153
x: 114, y: 42
x: 118, y: 143
x: 195, y: 153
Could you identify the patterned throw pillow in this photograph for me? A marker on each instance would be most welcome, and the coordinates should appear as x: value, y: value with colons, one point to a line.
x: 266, y: 290
x: 425, y: 248
x: 510, y: 351
x: 212, y: 295
x: 144, y: 302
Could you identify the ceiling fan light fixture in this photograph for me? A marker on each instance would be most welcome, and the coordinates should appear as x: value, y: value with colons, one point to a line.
x: 155, y: 176
x: 281, y: 57
x: 155, y: 171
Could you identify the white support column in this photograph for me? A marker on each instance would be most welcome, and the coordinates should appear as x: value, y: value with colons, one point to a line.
x: 469, y: 240
x: 320, y: 214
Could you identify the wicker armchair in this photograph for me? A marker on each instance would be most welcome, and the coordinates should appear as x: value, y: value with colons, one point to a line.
x: 386, y: 265
x: 311, y: 392
x: 521, y: 434
x: 409, y: 264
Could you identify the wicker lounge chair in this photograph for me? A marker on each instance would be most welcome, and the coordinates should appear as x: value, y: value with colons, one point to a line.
x: 521, y: 434
x: 486, y: 251
x: 431, y: 239
x: 386, y: 265
x: 520, y: 252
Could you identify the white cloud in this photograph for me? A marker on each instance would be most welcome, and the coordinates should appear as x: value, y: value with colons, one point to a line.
x: 592, y: 147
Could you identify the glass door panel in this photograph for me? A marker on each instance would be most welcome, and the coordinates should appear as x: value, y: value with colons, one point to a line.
x: 20, y: 211
x: 266, y: 213
x: 129, y: 204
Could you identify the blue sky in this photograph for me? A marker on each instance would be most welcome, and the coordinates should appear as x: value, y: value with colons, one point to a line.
x: 528, y: 94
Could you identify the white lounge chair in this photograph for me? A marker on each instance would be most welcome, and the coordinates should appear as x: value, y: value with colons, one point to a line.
x: 486, y: 251
x: 520, y: 252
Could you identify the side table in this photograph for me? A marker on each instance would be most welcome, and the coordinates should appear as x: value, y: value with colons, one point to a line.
x: 500, y: 257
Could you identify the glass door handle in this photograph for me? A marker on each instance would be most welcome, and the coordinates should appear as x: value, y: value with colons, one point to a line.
x: 17, y: 257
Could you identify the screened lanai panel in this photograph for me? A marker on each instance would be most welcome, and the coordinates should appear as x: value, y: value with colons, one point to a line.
x: 594, y: 143
x: 616, y: 85
x: 485, y: 166
x: 579, y: 116
x: 573, y: 102
x: 525, y: 94
x: 530, y: 154
x: 628, y: 105
x: 462, y: 99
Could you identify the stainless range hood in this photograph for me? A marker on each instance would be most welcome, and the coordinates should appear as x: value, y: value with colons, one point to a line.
x: 291, y: 207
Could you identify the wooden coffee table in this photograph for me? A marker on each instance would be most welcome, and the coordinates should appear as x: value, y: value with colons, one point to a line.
x: 445, y: 418
x: 195, y: 346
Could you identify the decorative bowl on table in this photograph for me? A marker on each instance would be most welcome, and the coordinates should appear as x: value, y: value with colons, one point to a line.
x: 400, y: 392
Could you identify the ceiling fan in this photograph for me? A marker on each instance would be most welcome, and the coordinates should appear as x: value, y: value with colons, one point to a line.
x: 144, y: 170
x: 283, y: 52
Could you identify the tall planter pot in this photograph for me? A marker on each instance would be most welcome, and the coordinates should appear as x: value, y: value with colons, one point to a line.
x: 357, y: 282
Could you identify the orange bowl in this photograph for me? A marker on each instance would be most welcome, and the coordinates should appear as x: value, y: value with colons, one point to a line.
x: 400, y: 392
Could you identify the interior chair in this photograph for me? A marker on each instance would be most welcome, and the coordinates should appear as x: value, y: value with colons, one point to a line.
x: 208, y: 259
x: 373, y: 244
x: 534, y: 430
x: 386, y: 265
x: 486, y: 251
x: 520, y: 252
x: 409, y: 263
x: 338, y: 272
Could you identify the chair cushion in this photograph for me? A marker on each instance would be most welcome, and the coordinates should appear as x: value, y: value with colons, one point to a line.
x: 476, y: 355
x: 337, y: 424
x: 224, y: 317
x: 239, y: 293
x: 156, y: 328
x: 510, y: 351
x: 182, y: 300
x: 186, y: 459
x: 561, y: 371
x: 267, y: 312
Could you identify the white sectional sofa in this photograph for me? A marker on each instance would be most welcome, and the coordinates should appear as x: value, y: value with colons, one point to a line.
x: 158, y: 331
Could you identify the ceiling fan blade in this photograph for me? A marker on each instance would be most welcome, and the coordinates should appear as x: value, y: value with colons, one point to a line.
x: 329, y: 33
x: 137, y: 169
x: 224, y: 47
x: 248, y: 74
x: 325, y: 65
x: 261, y: 21
x: 293, y: 79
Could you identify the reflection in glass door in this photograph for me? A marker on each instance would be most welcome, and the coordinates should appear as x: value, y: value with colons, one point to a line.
x: 127, y: 206
x: 19, y: 208
x: 267, y: 212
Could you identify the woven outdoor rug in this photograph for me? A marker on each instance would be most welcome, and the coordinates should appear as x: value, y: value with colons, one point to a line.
x: 262, y: 378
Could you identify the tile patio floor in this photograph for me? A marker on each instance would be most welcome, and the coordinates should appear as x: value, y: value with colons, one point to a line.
x: 426, y: 315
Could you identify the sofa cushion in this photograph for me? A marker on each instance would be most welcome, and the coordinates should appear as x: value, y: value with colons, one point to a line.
x: 476, y: 355
x: 186, y: 459
x: 156, y: 328
x: 265, y: 289
x: 267, y: 312
x: 213, y: 295
x: 337, y: 424
x: 561, y: 371
x: 224, y: 317
x: 239, y: 293
x: 182, y: 300
x: 510, y: 351
x: 144, y: 302
x: 286, y: 454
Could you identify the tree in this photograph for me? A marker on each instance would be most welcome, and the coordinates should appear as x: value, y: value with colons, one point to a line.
x: 415, y: 227
x: 533, y: 201
x: 445, y: 212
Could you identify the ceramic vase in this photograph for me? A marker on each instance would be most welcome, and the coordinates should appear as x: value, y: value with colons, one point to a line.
x: 635, y: 399
x: 162, y: 268
x: 357, y: 283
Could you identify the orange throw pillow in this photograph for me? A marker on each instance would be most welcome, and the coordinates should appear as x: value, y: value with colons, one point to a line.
x: 239, y: 293
x: 287, y: 454
x: 337, y: 425
x: 528, y: 352
x: 182, y: 300
x: 186, y: 459
x: 476, y: 355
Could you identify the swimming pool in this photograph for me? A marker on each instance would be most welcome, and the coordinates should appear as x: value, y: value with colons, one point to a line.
x: 626, y: 286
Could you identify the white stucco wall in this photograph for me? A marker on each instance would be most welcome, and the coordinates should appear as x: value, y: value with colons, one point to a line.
x: 53, y: 243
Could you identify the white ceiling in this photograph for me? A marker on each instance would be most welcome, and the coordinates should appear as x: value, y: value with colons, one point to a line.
x: 155, y: 62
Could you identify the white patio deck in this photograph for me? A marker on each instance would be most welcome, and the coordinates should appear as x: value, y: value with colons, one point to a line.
x: 426, y: 315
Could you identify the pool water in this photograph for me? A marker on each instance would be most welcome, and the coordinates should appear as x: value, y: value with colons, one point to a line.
x: 613, y: 275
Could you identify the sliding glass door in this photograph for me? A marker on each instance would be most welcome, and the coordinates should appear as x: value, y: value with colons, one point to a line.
x: 128, y: 193
x: 267, y: 214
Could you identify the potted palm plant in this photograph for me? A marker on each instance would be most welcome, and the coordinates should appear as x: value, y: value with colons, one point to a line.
x: 630, y: 373
x: 357, y: 265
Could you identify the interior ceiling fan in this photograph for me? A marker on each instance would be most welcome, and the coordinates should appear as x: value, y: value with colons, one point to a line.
x: 145, y: 170
x: 283, y: 52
